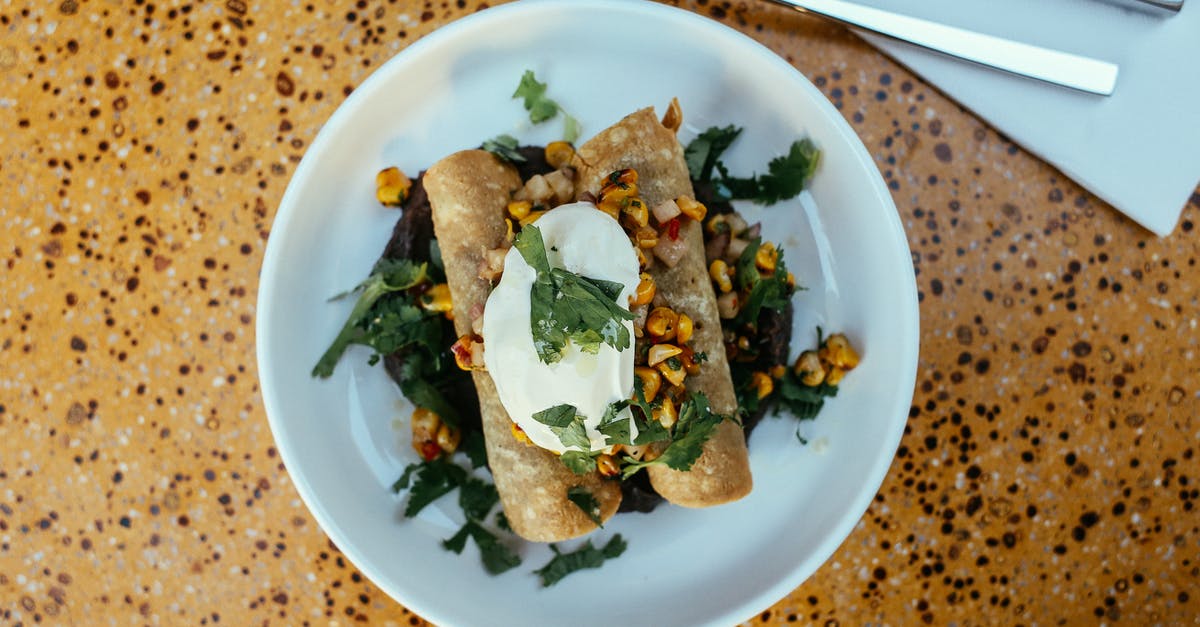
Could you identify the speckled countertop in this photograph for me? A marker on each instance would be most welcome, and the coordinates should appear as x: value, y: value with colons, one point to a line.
x: 1047, y: 475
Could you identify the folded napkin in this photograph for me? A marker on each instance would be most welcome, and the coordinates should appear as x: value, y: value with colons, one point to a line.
x: 1139, y: 149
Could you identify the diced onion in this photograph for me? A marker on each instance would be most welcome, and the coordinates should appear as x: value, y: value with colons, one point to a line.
x: 665, y: 210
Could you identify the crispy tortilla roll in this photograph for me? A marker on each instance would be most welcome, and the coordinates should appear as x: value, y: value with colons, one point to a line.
x: 469, y: 191
x: 641, y: 142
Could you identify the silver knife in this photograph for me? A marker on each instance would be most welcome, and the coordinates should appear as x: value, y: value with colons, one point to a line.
x: 1044, y: 64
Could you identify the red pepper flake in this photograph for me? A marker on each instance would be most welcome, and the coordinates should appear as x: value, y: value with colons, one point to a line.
x: 430, y: 451
x: 673, y: 228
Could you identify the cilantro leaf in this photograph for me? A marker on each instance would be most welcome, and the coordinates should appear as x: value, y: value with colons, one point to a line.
x: 385, y: 328
x: 497, y: 557
x: 801, y: 400
x: 477, y: 497
x: 567, y: 424
x: 583, y: 499
x: 693, y: 428
x: 505, y: 147
x: 578, y: 462
x: 434, y: 479
x: 502, y: 522
x: 405, y: 478
x: 571, y: 128
x: 786, y: 176
x: 566, y: 307
x: 586, y: 556
x: 704, y: 152
x: 475, y: 448
x: 615, y: 425
x: 540, y: 107
x: 772, y: 292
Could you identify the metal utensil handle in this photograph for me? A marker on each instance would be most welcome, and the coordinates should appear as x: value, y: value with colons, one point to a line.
x: 1053, y: 66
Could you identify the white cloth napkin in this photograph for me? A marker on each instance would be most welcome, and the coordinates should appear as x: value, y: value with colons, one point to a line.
x: 1139, y: 149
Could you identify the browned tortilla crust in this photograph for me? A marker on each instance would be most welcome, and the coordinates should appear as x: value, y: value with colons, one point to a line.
x: 640, y: 141
x: 469, y: 191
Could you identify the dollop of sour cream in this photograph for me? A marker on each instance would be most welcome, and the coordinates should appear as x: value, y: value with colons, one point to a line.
x: 584, y: 240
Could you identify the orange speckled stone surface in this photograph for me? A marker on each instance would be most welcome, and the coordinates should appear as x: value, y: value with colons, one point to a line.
x: 1048, y: 474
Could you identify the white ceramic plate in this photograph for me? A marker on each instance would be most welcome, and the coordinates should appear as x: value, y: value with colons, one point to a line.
x: 340, y: 440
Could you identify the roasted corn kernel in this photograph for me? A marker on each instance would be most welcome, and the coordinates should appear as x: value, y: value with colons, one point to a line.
x: 719, y: 271
x: 651, y: 382
x: 509, y: 233
x: 392, y: 186
x: 425, y: 426
x: 618, y: 192
x: 666, y: 413
x: 840, y: 352
x: 692, y: 208
x: 683, y: 329
x: 662, y: 352
x: 519, y: 434
x: 611, y: 207
x: 558, y: 154
x: 810, y: 369
x: 834, y: 377
x: 645, y: 237
x: 662, y: 323
x: 437, y: 298
x: 762, y: 384
x: 628, y: 175
x: 448, y: 438
x: 645, y: 291
x: 672, y: 370
x: 717, y: 224
x: 519, y: 208
x: 636, y: 213
x: 766, y: 257
x: 778, y: 370
x: 606, y: 465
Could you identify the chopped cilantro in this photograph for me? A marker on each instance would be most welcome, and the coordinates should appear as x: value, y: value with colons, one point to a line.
x: 615, y: 424
x: 694, y: 426
x: 566, y: 307
x: 505, y: 147
x: 383, y: 324
x: 405, y: 478
x: 541, y: 108
x: 786, y: 176
x: 496, y: 556
x: 477, y: 497
x: 583, y: 499
x: 578, y: 462
x: 475, y: 448
x: 804, y: 402
x: 772, y: 292
x: 566, y: 423
x: 586, y: 556
x: 704, y: 152
x: 434, y: 479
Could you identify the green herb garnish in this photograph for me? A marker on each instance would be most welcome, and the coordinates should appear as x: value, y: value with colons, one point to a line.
x: 542, y: 108
x: 383, y: 324
x: 694, y: 426
x: 786, y: 176
x: 476, y: 497
x: 505, y: 147
x: 433, y: 479
x: 772, y: 292
x: 566, y: 307
x: 586, y: 556
x: 566, y: 423
x: 583, y: 499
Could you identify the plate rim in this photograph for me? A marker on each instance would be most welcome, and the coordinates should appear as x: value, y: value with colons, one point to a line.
x: 288, y: 211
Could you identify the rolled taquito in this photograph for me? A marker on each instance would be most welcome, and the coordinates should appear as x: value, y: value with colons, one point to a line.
x: 640, y: 141
x: 469, y: 192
